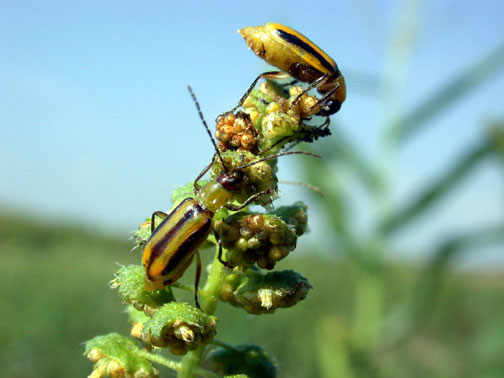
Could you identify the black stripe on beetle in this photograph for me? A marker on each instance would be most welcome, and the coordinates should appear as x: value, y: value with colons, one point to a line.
x: 160, y: 246
x: 188, y: 245
x: 291, y: 38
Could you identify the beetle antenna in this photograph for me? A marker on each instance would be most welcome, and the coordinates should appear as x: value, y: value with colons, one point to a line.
x: 206, y: 125
x: 278, y: 155
x: 314, y: 188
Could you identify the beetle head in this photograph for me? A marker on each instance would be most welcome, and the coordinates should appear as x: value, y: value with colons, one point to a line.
x: 329, y: 107
x: 231, y: 180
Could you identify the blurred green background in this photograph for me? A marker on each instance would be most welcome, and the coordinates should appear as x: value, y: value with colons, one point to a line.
x: 406, y: 247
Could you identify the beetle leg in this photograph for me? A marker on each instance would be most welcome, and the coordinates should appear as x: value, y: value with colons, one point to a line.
x: 197, y: 280
x: 252, y: 198
x: 158, y: 213
x: 265, y: 75
x: 293, y: 82
x: 219, y: 256
x: 202, y: 173
x: 312, y: 85
x: 326, y: 96
x: 326, y: 123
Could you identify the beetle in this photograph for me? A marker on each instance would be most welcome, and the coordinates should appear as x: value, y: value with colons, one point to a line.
x: 297, y: 56
x: 173, y: 244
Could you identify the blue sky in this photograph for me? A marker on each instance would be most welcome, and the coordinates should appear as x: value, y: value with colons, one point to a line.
x: 97, y: 127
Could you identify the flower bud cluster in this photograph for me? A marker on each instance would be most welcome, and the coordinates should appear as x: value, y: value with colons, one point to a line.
x: 255, y: 238
x: 179, y: 326
x: 262, y: 238
x: 260, y: 293
x: 295, y: 216
x: 162, y: 322
x: 243, y: 360
x: 130, y: 282
x: 236, y: 132
x: 114, y: 355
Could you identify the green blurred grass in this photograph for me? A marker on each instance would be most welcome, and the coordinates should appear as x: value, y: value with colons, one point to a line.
x: 55, y: 296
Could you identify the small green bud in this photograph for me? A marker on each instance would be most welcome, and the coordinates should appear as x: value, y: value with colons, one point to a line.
x: 240, y: 360
x: 261, y: 293
x: 114, y: 355
x: 130, y: 281
x: 180, y: 327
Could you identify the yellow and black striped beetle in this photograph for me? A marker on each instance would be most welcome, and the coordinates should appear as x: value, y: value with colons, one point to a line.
x: 302, y: 59
x: 173, y: 244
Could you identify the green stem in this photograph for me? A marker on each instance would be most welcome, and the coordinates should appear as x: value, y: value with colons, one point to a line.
x: 210, y: 294
x: 190, y: 363
x: 161, y: 360
x: 209, y: 297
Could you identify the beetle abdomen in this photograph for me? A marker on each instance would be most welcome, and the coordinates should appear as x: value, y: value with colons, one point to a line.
x: 172, y: 246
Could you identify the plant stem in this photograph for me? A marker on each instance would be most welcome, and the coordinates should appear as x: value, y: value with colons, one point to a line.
x: 210, y: 294
x: 209, y: 297
x: 190, y: 362
x: 161, y: 360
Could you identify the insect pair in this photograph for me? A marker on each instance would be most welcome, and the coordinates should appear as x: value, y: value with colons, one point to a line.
x: 173, y: 244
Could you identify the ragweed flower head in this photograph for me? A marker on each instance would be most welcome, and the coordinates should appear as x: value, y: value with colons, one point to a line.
x: 256, y: 238
x: 116, y: 356
x: 260, y: 293
x: 244, y: 360
x: 180, y: 327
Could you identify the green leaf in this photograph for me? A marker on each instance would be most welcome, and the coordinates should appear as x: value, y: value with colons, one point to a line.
x: 436, y: 191
x: 462, y: 85
x: 343, y: 150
